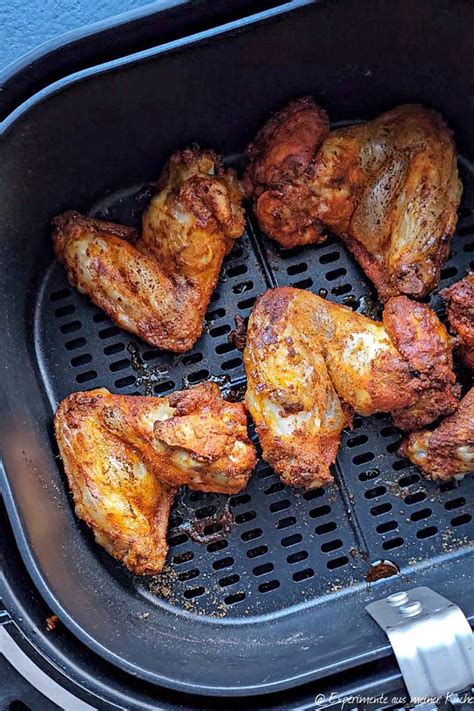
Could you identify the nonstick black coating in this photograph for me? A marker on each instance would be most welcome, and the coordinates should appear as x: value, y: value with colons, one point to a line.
x: 280, y: 599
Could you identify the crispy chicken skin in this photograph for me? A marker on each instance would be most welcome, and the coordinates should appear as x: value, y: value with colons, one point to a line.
x: 459, y: 299
x: 191, y: 437
x: 124, y: 457
x: 309, y: 362
x: 115, y: 492
x: 448, y: 450
x: 159, y: 285
x: 389, y: 188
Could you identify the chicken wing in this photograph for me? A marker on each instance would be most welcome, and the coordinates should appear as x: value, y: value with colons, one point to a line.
x: 191, y: 437
x: 446, y: 452
x: 309, y: 362
x: 159, y: 285
x: 459, y: 299
x: 115, y: 492
x: 124, y: 457
x: 389, y: 188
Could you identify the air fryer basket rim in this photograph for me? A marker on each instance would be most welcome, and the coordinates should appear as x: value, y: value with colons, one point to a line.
x: 380, y: 647
x: 63, y: 54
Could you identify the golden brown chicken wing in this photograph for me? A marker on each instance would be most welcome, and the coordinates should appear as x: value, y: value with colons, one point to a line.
x: 115, y: 492
x: 159, y: 286
x: 309, y: 361
x: 389, y: 188
x: 124, y: 457
x: 446, y: 452
x: 459, y: 298
x: 191, y: 437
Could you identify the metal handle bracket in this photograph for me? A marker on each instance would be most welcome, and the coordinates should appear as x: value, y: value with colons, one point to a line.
x: 432, y: 641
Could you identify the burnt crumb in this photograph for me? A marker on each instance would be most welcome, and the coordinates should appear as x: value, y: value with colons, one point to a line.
x: 381, y: 569
x: 359, y: 553
x: 235, y: 394
x: 146, y: 377
x: 238, y: 336
x: 414, y: 373
x: 51, y: 623
x: 143, y: 615
x: 351, y: 301
x: 209, y: 529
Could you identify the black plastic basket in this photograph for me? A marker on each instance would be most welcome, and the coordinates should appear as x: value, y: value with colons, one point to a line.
x: 280, y: 599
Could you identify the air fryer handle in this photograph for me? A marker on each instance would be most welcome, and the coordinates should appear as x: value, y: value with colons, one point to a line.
x: 432, y: 641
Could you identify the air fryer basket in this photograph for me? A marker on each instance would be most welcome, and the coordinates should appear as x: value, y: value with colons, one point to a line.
x: 280, y: 598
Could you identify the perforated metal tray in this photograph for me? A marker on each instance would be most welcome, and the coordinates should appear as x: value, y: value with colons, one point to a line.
x: 286, y: 546
x: 281, y: 599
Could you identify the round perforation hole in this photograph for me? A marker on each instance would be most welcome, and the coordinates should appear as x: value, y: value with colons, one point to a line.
x: 257, y: 552
x: 280, y: 506
x: 223, y: 563
x: 81, y: 360
x: 461, y: 520
x: 393, y: 543
x: 420, y: 515
x: 192, y: 593
x: 125, y: 382
x: 229, y: 580
x: 269, y: 586
x: 330, y: 257
x: 217, y: 546
x: 313, y: 494
x: 427, y: 532
x: 337, y: 562
x: 65, y: 310
x: 357, y: 441
x: 75, y: 343
x: 60, y: 294
x: 297, y: 557
x: 86, y: 377
x: 455, y: 503
x: 274, y: 488
x: 245, y: 517
x: 291, y: 540
x: 232, y: 364
x: 301, y: 575
x: 303, y: 283
x: 325, y: 528
x: 245, y: 304
x: 381, y: 509
x: 183, y: 558
x: 331, y: 546
x: 70, y: 327
x: 114, y: 348
x: 286, y: 522
x: 375, y: 492
x: 386, y: 527
x: 251, y: 535
x: 415, y: 498
x: 363, y: 458
x: 234, y: 598
x: 336, y: 273
x: 409, y: 480
x: 320, y: 511
x: 263, y: 569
